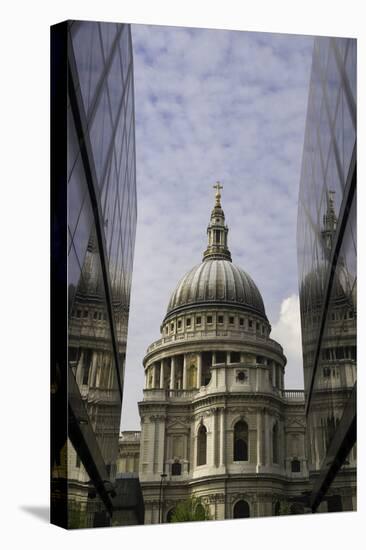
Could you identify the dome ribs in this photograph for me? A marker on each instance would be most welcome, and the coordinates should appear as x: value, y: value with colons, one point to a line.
x: 217, y: 282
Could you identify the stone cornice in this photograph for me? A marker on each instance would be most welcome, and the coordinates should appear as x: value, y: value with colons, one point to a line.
x: 197, y: 345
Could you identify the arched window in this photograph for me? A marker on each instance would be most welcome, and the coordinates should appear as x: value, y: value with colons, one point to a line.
x: 169, y: 515
x: 295, y: 465
x: 241, y: 509
x: 241, y: 441
x: 202, y: 446
x: 275, y: 444
x: 176, y: 469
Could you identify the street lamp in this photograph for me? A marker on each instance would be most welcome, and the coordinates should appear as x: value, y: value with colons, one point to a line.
x: 162, y: 476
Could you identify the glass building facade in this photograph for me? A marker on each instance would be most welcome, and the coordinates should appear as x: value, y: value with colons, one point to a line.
x: 326, y: 243
x: 95, y: 236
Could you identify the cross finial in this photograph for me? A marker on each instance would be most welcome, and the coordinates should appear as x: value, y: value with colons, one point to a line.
x: 218, y: 187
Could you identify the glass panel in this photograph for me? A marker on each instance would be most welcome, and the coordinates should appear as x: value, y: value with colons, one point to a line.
x: 91, y: 355
x: 77, y: 191
x: 82, y: 232
x: 108, y: 32
x: 125, y: 50
x: 333, y: 181
x: 115, y: 85
x: 351, y: 66
x: 89, y: 60
x: 101, y: 135
x: 332, y: 83
x: 349, y: 136
x: 91, y: 350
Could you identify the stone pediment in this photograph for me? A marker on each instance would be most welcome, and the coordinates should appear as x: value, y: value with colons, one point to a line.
x: 294, y: 423
x: 175, y: 424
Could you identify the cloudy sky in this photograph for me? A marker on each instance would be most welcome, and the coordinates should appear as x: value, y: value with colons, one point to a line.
x: 216, y: 105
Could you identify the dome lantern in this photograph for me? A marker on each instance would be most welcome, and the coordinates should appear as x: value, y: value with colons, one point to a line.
x: 216, y: 282
x: 217, y: 231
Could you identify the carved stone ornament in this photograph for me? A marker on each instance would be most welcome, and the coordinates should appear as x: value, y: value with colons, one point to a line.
x: 157, y: 417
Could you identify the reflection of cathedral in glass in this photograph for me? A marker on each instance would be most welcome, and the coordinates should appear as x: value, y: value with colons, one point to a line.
x: 101, y: 233
x: 326, y: 238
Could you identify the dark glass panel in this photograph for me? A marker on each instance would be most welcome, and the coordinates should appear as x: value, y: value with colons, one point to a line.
x: 333, y: 180
x: 115, y: 86
x: 351, y: 66
x: 101, y: 135
x: 83, y: 229
x: 125, y: 50
x: 349, y: 133
x: 333, y: 81
x: 89, y: 60
x: 108, y: 32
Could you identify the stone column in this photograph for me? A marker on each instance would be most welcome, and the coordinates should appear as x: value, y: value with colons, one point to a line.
x: 214, y: 435
x: 281, y: 446
x: 259, y: 439
x: 93, y: 368
x: 146, y: 379
x: 214, y: 358
x: 172, y: 373
x: 222, y: 437
x: 274, y: 374
x: 80, y: 368
x: 153, y: 367
x: 199, y: 370
x: 228, y: 357
x: 184, y: 372
x: 162, y: 374
x: 258, y: 379
x: 267, y: 438
x: 160, y: 438
x: 151, y: 446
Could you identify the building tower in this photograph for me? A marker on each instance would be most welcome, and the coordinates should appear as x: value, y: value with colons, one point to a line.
x: 94, y: 211
x: 327, y: 267
x: 216, y: 420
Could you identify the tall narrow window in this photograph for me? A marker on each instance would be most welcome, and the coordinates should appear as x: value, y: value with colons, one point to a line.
x: 241, y: 441
x: 202, y: 446
x: 217, y: 236
x: 275, y: 444
x: 176, y: 469
x: 87, y: 363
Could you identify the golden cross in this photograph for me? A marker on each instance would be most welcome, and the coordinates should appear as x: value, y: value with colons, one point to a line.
x: 218, y: 186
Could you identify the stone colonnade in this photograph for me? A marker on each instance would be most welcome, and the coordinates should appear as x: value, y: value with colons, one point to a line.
x: 182, y: 375
x: 184, y: 371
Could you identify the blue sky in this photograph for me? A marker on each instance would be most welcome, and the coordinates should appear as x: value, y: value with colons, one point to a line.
x: 216, y: 105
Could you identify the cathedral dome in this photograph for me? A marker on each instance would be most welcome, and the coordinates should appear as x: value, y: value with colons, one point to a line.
x: 313, y: 288
x: 216, y: 281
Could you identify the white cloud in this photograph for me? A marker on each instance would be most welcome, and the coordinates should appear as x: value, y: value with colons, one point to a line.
x: 287, y: 331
